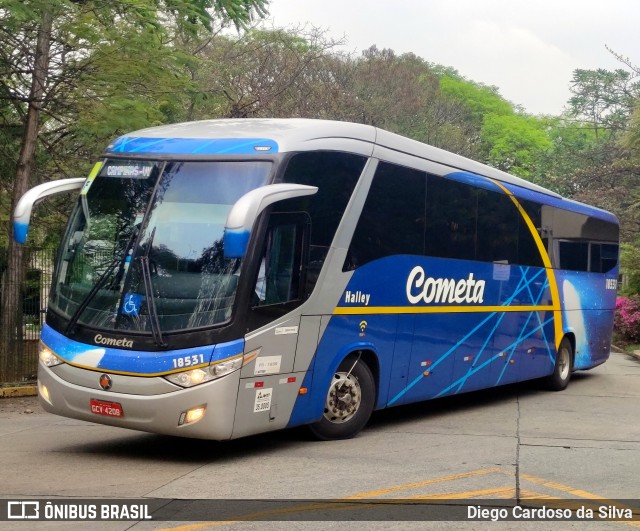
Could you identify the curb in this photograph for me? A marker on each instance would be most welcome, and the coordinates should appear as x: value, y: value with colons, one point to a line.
x: 24, y: 390
x: 635, y: 354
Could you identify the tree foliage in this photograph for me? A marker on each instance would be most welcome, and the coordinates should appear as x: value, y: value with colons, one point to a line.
x: 514, y: 143
x: 604, y: 99
x: 75, y: 72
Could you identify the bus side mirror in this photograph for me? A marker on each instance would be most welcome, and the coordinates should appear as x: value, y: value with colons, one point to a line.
x: 22, y: 212
x: 245, y: 211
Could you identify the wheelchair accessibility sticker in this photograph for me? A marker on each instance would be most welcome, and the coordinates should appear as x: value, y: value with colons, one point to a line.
x: 131, y: 304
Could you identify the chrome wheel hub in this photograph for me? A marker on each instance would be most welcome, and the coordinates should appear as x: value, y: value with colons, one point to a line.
x: 563, y: 363
x: 343, y: 399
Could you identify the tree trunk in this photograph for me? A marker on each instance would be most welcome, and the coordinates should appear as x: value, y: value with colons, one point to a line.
x: 11, y: 325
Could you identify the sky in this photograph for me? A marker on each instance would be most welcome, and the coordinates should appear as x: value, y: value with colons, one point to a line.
x: 527, y: 48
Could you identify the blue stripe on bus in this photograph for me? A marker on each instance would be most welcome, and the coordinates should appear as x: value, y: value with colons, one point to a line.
x: 439, y: 352
x: 136, y: 362
x: 20, y: 231
x: 435, y: 354
x: 193, y: 146
x: 475, y: 180
x: 479, y: 181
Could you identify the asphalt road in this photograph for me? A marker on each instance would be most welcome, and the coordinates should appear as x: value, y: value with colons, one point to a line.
x: 506, y: 445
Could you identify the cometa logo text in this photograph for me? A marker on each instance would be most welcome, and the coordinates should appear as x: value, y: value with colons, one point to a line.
x: 113, y: 342
x: 443, y: 290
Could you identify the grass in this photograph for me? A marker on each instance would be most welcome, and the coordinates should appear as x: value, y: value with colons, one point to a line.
x: 625, y: 344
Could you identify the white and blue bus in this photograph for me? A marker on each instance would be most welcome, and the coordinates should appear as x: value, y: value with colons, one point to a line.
x: 224, y: 278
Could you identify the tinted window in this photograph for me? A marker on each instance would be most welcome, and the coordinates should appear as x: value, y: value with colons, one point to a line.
x: 335, y: 174
x: 585, y: 243
x: 528, y: 252
x: 588, y: 256
x: 280, y: 270
x: 451, y: 219
x: 393, y: 217
x: 497, y: 228
x: 608, y: 257
x: 461, y: 221
x: 574, y: 255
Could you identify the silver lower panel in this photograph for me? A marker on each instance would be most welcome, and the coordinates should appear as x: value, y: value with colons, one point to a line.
x: 153, y: 413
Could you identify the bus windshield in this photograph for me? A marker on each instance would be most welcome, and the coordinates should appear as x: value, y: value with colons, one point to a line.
x: 144, y: 247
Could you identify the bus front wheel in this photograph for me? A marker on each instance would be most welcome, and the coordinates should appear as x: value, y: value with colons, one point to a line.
x: 349, y: 402
x: 561, y: 375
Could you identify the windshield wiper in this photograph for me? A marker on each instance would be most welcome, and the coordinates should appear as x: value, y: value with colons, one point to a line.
x: 92, y: 293
x: 99, y: 284
x: 156, y: 331
x: 152, y: 310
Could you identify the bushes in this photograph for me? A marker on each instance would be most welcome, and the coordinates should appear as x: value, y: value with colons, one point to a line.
x: 627, y: 318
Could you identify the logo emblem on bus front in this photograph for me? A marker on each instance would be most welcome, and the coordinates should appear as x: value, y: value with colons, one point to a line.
x: 106, y: 382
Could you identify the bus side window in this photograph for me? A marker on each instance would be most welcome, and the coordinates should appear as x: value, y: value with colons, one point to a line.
x: 393, y: 217
x: 335, y: 174
x: 574, y: 255
x: 283, y: 263
x: 608, y: 257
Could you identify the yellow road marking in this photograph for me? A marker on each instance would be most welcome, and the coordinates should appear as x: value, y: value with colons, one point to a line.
x: 500, y: 492
x: 531, y: 495
x: 495, y: 493
x: 559, y: 486
x: 408, y: 486
x: 195, y: 527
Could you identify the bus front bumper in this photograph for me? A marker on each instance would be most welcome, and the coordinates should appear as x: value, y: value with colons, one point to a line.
x: 165, y: 413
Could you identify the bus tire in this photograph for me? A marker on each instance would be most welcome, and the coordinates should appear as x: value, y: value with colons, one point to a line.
x: 559, y: 379
x: 349, y: 403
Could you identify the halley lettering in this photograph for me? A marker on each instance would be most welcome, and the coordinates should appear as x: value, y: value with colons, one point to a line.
x: 443, y: 290
x: 113, y: 342
x: 357, y: 297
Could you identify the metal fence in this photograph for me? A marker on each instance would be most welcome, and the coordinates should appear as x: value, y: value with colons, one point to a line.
x: 38, y: 270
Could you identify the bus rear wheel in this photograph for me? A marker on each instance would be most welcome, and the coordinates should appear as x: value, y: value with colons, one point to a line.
x: 349, y: 402
x: 561, y: 375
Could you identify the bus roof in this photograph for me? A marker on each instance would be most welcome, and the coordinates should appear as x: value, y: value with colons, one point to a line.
x: 278, y: 135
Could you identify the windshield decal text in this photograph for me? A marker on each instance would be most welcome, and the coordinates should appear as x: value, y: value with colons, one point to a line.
x: 134, y: 171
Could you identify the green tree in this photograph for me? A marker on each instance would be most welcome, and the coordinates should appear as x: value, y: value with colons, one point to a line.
x: 406, y: 94
x: 514, y: 143
x: 631, y: 139
x: 479, y: 99
x: 61, y: 58
x: 604, y: 99
x: 630, y: 264
x: 276, y: 73
x: 604, y: 167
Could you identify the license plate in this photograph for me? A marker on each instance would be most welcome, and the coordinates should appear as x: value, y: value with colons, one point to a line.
x: 108, y: 409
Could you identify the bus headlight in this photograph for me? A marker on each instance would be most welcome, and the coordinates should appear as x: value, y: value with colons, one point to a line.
x: 47, y: 357
x: 205, y: 374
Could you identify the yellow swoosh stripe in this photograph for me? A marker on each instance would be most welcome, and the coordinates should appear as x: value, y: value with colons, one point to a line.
x: 376, y: 310
x: 146, y: 374
x: 553, y: 285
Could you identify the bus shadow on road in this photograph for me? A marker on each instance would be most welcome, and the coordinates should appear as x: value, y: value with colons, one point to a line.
x: 465, y: 403
x: 152, y: 447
